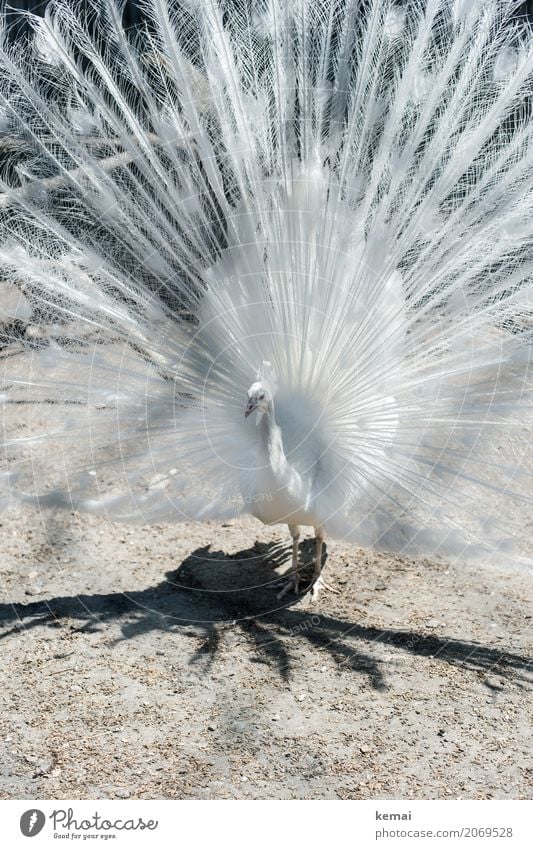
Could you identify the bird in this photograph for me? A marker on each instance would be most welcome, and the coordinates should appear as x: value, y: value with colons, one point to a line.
x: 278, y: 491
x: 274, y: 259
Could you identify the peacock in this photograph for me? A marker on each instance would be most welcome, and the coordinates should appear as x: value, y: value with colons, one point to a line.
x: 272, y: 257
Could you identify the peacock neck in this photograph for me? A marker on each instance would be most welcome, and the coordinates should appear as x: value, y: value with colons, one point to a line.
x: 272, y: 442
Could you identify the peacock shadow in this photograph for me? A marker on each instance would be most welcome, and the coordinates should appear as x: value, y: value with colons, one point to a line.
x: 212, y: 593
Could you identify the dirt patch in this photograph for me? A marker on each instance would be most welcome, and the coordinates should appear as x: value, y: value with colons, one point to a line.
x: 157, y: 662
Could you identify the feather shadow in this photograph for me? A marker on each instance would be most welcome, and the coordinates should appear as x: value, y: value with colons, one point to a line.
x: 240, y: 595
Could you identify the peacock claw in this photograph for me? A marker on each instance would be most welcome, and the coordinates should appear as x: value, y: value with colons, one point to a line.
x: 292, y: 585
x: 314, y: 586
x: 320, y: 584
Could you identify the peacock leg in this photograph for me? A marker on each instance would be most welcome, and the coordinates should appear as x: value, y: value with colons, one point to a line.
x: 317, y: 581
x: 295, y: 534
x: 294, y: 581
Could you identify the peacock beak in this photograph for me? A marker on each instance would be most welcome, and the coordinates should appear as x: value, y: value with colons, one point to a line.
x: 250, y: 407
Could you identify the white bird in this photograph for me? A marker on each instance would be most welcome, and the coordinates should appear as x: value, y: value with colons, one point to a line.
x: 282, y: 489
x: 315, y: 210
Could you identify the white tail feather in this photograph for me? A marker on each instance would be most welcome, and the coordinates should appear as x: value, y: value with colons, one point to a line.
x: 343, y: 194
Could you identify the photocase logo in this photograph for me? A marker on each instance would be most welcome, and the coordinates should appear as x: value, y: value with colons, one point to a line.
x: 32, y: 822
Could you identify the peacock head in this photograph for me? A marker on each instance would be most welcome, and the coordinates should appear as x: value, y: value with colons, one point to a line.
x: 259, y: 399
x: 261, y: 393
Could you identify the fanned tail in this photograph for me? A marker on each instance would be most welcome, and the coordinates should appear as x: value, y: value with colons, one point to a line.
x: 344, y: 193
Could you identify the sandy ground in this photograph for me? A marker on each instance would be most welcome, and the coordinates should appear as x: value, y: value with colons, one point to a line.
x: 157, y: 662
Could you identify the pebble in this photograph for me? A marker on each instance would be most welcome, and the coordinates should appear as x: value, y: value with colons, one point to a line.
x: 494, y: 683
x: 43, y: 767
x: 122, y: 793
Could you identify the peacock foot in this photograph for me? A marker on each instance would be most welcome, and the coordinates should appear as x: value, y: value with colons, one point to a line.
x: 301, y: 585
x: 318, y: 585
x: 292, y: 585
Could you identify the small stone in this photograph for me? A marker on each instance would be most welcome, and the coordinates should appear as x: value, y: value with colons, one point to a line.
x: 494, y: 683
x: 275, y: 718
x: 43, y: 767
x: 76, y: 688
x: 122, y: 793
x: 301, y: 696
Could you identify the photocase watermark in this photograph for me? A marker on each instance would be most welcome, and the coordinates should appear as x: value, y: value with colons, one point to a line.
x: 250, y: 499
x: 67, y: 826
x: 301, y: 627
x: 32, y: 822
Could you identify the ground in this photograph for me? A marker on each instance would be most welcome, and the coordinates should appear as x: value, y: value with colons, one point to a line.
x: 157, y: 662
